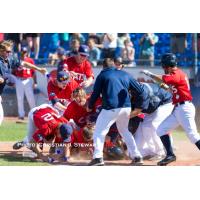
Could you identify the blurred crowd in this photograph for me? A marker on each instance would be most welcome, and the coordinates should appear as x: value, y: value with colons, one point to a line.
x: 130, y: 48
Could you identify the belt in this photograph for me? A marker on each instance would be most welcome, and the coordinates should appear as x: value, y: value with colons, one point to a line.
x: 181, y: 103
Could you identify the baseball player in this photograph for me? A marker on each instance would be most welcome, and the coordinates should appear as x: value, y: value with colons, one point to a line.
x: 80, y: 67
x: 7, y: 63
x: 24, y: 84
x: 184, y: 111
x: 61, y: 88
x: 76, y: 110
x: 159, y: 108
x: 114, y: 87
x: 44, y: 123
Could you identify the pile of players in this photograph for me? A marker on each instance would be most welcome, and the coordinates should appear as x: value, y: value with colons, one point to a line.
x: 67, y: 128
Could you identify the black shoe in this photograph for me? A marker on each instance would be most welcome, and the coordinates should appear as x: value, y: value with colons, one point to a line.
x: 137, y: 161
x: 167, y: 160
x: 21, y: 118
x: 96, y: 162
x: 18, y: 145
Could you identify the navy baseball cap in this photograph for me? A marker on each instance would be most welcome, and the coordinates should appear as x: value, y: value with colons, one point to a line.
x: 66, y: 132
x: 60, y: 51
x: 83, y: 50
x: 24, y: 49
x: 62, y: 76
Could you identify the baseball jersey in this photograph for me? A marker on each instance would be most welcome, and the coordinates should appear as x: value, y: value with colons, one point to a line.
x: 79, y: 113
x: 83, y: 69
x: 46, y: 119
x: 24, y: 72
x: 77, y: 141
x: 179, y: 84
x: 54, y: 92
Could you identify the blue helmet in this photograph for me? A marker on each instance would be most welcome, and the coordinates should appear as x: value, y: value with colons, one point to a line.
x: 168, y: 60
x: 83, y: 50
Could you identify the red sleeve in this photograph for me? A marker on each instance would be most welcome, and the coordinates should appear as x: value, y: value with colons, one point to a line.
x: 51, y: 91
x: 171, y: 78
x: 68, y: 112
x: 88, y: 70
x: 40, y: 134
x: 74, y: 84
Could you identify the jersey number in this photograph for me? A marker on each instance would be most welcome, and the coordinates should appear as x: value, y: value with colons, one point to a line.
x: 49, y: 116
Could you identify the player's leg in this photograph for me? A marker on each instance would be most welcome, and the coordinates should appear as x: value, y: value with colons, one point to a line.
x: 104, y: 121
x: 122, y: 126
x: 29, y: 92
x: 158, y: 117
x: 140, y: 141
x: 31, y: 128
x: 1, y: 111
x: 186, y: 117
x: 20, y: 97
x: 164, y: 128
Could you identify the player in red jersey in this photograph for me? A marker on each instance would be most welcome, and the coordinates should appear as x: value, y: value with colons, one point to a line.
x: 76, y: 110
x: 61, y: 88
x: 184, y: 110
x: 44, y: 125
x: 80, y: 67
x: 24, y: 84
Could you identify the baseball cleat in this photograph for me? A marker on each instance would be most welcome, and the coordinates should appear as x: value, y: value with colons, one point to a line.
x: 18, y: 145
x: 96, y: 162
x: 137, y: 161
x: 167, y: 160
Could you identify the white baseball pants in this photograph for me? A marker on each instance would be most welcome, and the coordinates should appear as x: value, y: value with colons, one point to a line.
x: 104, y: 121
x: 146, y: 137
x: 183, y: 115
x: 1, y: 111
x: 24, y: 87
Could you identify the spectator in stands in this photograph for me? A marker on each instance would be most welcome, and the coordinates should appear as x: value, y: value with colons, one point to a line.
x: 64, y: 40
x: 24, y: 84
x: 74, y: 47
x: 33, y: 40
x: 128, y: 53
x: 77, y: 36
x: 95, y: 37
x: 109, y: 44
x: 178, y: 42
x: 94, y: 52
x: 121, y: 38
x: 57, y: 57
x: 147, y: 43
x: 16, y: 38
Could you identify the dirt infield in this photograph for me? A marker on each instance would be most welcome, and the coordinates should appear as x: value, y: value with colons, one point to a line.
x: 187, y: 155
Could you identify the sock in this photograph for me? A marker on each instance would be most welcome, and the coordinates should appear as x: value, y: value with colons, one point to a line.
x: 198, y: 144
x: 167, y: 144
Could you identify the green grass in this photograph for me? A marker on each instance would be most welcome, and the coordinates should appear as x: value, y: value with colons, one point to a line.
x: 6, y: 160
x: 11, y: 131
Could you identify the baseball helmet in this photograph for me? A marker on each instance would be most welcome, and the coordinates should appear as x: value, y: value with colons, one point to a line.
x: 83, y: 50
x: 168, y: 60
x: 115, y: 153
x: 66, y: 132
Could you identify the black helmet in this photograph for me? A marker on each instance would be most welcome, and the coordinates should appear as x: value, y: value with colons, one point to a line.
x: 168, y: 60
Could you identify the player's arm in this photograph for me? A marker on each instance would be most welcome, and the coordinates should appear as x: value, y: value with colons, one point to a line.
x: 31, y: 66
x: 35, y: 147
x: 157, y: 78
x: 95, y: 94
